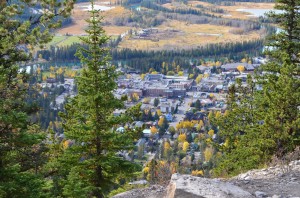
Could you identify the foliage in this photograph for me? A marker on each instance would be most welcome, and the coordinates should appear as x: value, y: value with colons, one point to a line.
x: 89, y: 121
x: 182, y: 137
x: 198, y: 173
x: 265, y: 122
x: 185, y: 146
x: 156, y: 102
x: 153, y: 130
x: 21, y: 147
x: 240, y: 68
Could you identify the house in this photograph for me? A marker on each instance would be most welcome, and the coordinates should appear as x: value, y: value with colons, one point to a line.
x: 233, y: 66
x: 139, y: 124
x: 203, y: 68
x: 51, y: 80
x: 141, y: 142
x: 169, y: 117
x: 150, y: 77
x: 206, y: 102
x: 146, y: 133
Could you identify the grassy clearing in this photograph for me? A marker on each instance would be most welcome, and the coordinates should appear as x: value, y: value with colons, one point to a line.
x: 69, y: 41
x: 79, y: 16
x: 56, y: 39
x: 191, y: 36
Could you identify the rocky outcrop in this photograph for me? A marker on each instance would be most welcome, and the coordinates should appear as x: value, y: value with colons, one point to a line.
x: 281, y: 181
x: 194, y: 187
x: 273, y: 182
x: 151, y: 192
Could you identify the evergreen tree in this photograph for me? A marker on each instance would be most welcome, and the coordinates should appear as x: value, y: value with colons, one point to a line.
x: 156, y: 102
x: 89, y: 121
x: 198, y: 104
x: 21, y: 150
x: 265, y: 122
x: 245, y: 144
x: 280, y: 79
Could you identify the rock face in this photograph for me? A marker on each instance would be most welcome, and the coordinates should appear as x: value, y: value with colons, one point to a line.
x: 273, y: 182
x: 278, y: 181
x: 151, y: 192
x: 190, y: 186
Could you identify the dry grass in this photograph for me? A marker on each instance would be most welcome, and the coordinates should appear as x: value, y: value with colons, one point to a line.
x: 189, y: 33
x: 115, y: 30
x: 79, y: 15
x: 190, y: 36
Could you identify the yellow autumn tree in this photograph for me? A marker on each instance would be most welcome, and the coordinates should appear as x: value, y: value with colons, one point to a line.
x: 185, y: 146
x: 146, y: 100
x: 179, y: 125
x: 166, y: 148
x: 199, y: 78
x: 153, y: 130
x: 38, y: 70
x: 180, y: 73
x: 226, y: 112
x: 200, y: 125
x: 161, y: 121
x: 188, y: 124
x: 146, y: 170
x: 211, y: 133
x: 60, y: 71
x: 240, y: 68
x: 135, y: 97
x: 52, y: 68
x: 158, y: 111
x: 218, y: 64
x: 244, y: 60
x: 182, y: 137
x: 208, y: 153
x: 218, y: 114
x: 197, y: 173
x: 206, y: 75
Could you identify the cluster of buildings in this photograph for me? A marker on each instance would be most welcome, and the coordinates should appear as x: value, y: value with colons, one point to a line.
x: 155, y: 85
x: 219, y: 83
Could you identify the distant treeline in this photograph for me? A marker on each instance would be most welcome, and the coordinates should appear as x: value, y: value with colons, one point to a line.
x: 144, y: 60
x: 151, y: 5
x: 232, y: 2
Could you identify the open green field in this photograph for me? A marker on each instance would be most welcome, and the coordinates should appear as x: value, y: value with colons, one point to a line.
x: 56, y: 40
x: 64, y: 41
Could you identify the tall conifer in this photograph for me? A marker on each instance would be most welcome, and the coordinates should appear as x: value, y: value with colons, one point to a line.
x: 21, y: 31
x: 89, y: 121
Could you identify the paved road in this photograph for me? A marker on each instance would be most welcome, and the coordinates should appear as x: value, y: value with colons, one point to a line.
x: 181, y: 110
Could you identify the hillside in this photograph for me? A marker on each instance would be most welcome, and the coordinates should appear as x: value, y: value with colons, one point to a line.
x: 154, y: 25
x: 278, y: 181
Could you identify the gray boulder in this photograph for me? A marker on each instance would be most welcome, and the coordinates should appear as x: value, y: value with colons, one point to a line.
x: 197, y: 187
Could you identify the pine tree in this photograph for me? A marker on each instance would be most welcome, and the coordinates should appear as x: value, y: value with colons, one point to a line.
x: 89, y: 121
x: 246, y: 145
x: 280, y: 79
x: 265, y: 122
x: 21, y: 150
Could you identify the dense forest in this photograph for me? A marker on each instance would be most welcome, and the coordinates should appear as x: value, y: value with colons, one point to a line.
x: 144, y: 60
